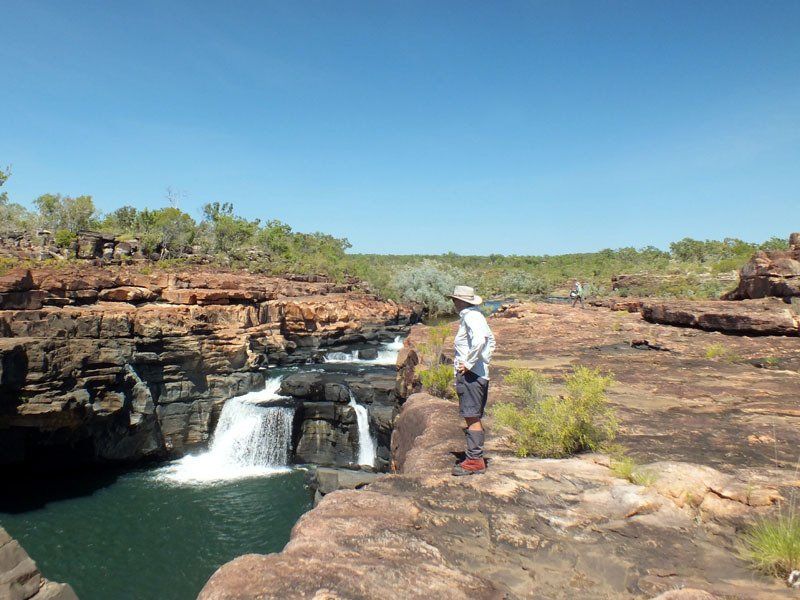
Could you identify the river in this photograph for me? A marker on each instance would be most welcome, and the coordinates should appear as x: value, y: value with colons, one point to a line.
x: 160, y: 532
x: 136, y: 534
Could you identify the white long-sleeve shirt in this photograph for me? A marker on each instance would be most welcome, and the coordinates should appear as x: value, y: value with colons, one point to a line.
x: 474, y: 343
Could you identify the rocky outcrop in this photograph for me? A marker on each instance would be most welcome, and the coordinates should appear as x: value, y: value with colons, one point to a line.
x: 768, y: 316
x: 326, y: 431
x: 324, y: 480
x: 718, y: 438
x: 115, y: 364
x: 87, y: 245
x: 771, y: 273
x: 528, y: 528
x: 20, y: 579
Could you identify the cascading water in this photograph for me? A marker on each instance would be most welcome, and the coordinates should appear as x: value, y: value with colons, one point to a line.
x: 251, y: 440
x: 367, y: 445
x: 386, y: 356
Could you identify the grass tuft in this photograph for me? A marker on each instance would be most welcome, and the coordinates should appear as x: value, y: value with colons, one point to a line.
x: 627, y: 468
x: 772, y: 544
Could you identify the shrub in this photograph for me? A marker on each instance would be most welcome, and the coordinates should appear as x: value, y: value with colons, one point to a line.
x: 428, y: 284
x: 717, y: 350
x: 520, y: 282
x: 64, y: 238
x: 431, y: 351
x: 438, y: 381
x: 552, y: 426
x: 528, y: 384
x: 772, y: 544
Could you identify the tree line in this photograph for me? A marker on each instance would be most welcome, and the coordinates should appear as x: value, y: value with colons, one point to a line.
x: 689, y: 268
x: 169, y: 232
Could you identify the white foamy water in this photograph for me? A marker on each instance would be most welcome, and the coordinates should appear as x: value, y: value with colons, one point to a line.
x: 386, y: 356
x: 367, y: 445
x: 251, y: 440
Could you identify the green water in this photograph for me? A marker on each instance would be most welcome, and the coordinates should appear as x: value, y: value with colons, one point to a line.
x: 130, y: 535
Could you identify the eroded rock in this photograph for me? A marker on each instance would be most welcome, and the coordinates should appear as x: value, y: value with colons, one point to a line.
x: 20, y: 579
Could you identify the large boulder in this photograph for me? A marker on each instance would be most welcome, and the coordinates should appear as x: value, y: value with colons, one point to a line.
x: 767, y: 316
x: 772, y: 273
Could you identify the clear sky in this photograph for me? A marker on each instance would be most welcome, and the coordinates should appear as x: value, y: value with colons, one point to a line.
x: 468, y: 126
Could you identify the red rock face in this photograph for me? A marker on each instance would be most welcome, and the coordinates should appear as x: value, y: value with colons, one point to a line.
x: 129, y: 365
x: 768, y: 316
x: 775, y: 273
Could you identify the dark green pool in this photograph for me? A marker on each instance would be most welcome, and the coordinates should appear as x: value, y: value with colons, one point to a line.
x: 132, y: 535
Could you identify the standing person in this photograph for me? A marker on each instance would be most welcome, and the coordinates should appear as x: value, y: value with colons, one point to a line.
x: 577, y: 294
x: 474, y: 345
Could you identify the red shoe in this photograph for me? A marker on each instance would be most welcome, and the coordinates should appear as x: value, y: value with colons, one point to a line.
x: 471, y: 466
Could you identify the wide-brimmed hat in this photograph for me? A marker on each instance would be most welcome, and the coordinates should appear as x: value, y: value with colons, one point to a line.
x: 466, y: 294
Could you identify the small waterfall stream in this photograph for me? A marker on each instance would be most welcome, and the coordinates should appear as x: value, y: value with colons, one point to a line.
x: 250, y: 440
x: 367, y: 445
x: 387, y: 355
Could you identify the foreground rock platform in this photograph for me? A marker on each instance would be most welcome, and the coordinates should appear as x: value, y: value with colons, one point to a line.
x: 526, y: 529
x: 719, y: 435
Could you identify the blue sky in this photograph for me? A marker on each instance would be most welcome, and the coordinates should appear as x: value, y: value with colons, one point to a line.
x: 475, y: 127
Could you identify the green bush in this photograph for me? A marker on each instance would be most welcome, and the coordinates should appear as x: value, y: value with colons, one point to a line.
x: 438, y: 381
x: 717, y: 350
x: 432, y: 349
x: 520, y: 282
x: 64, y: 238
x: 428, y: 284
x: 772, y: 544
x: 528, y: 384
x: 552, y: 426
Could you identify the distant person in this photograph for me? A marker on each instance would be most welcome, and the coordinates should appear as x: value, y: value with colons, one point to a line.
x: 474, y: 345
x: 577, y: 294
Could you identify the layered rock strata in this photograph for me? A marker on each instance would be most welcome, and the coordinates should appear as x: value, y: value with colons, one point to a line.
x: 768, y: 316
x: 326, y: 431
x: 113, y: 364
x: 20, y: 579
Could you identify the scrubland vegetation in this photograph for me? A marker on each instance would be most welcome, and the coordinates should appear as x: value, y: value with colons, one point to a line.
x: 436, y: 374
x: 551, y: 426
x: 690, y: 268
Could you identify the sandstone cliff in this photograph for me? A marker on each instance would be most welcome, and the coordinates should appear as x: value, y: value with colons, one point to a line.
x: 116, y: 364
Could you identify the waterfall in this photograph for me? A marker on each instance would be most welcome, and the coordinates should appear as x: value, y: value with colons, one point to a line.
x: 367, y: 446
x: 251, y: 440
x: 396, y: 345
x: 387, y: 355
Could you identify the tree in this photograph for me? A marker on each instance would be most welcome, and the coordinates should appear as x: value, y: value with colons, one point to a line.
x: 71, y: 214
x: 4, y: 175
x: 13, y: 217
x: 228, y: 232
x: 167, y: 230
x: 122, y: 220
